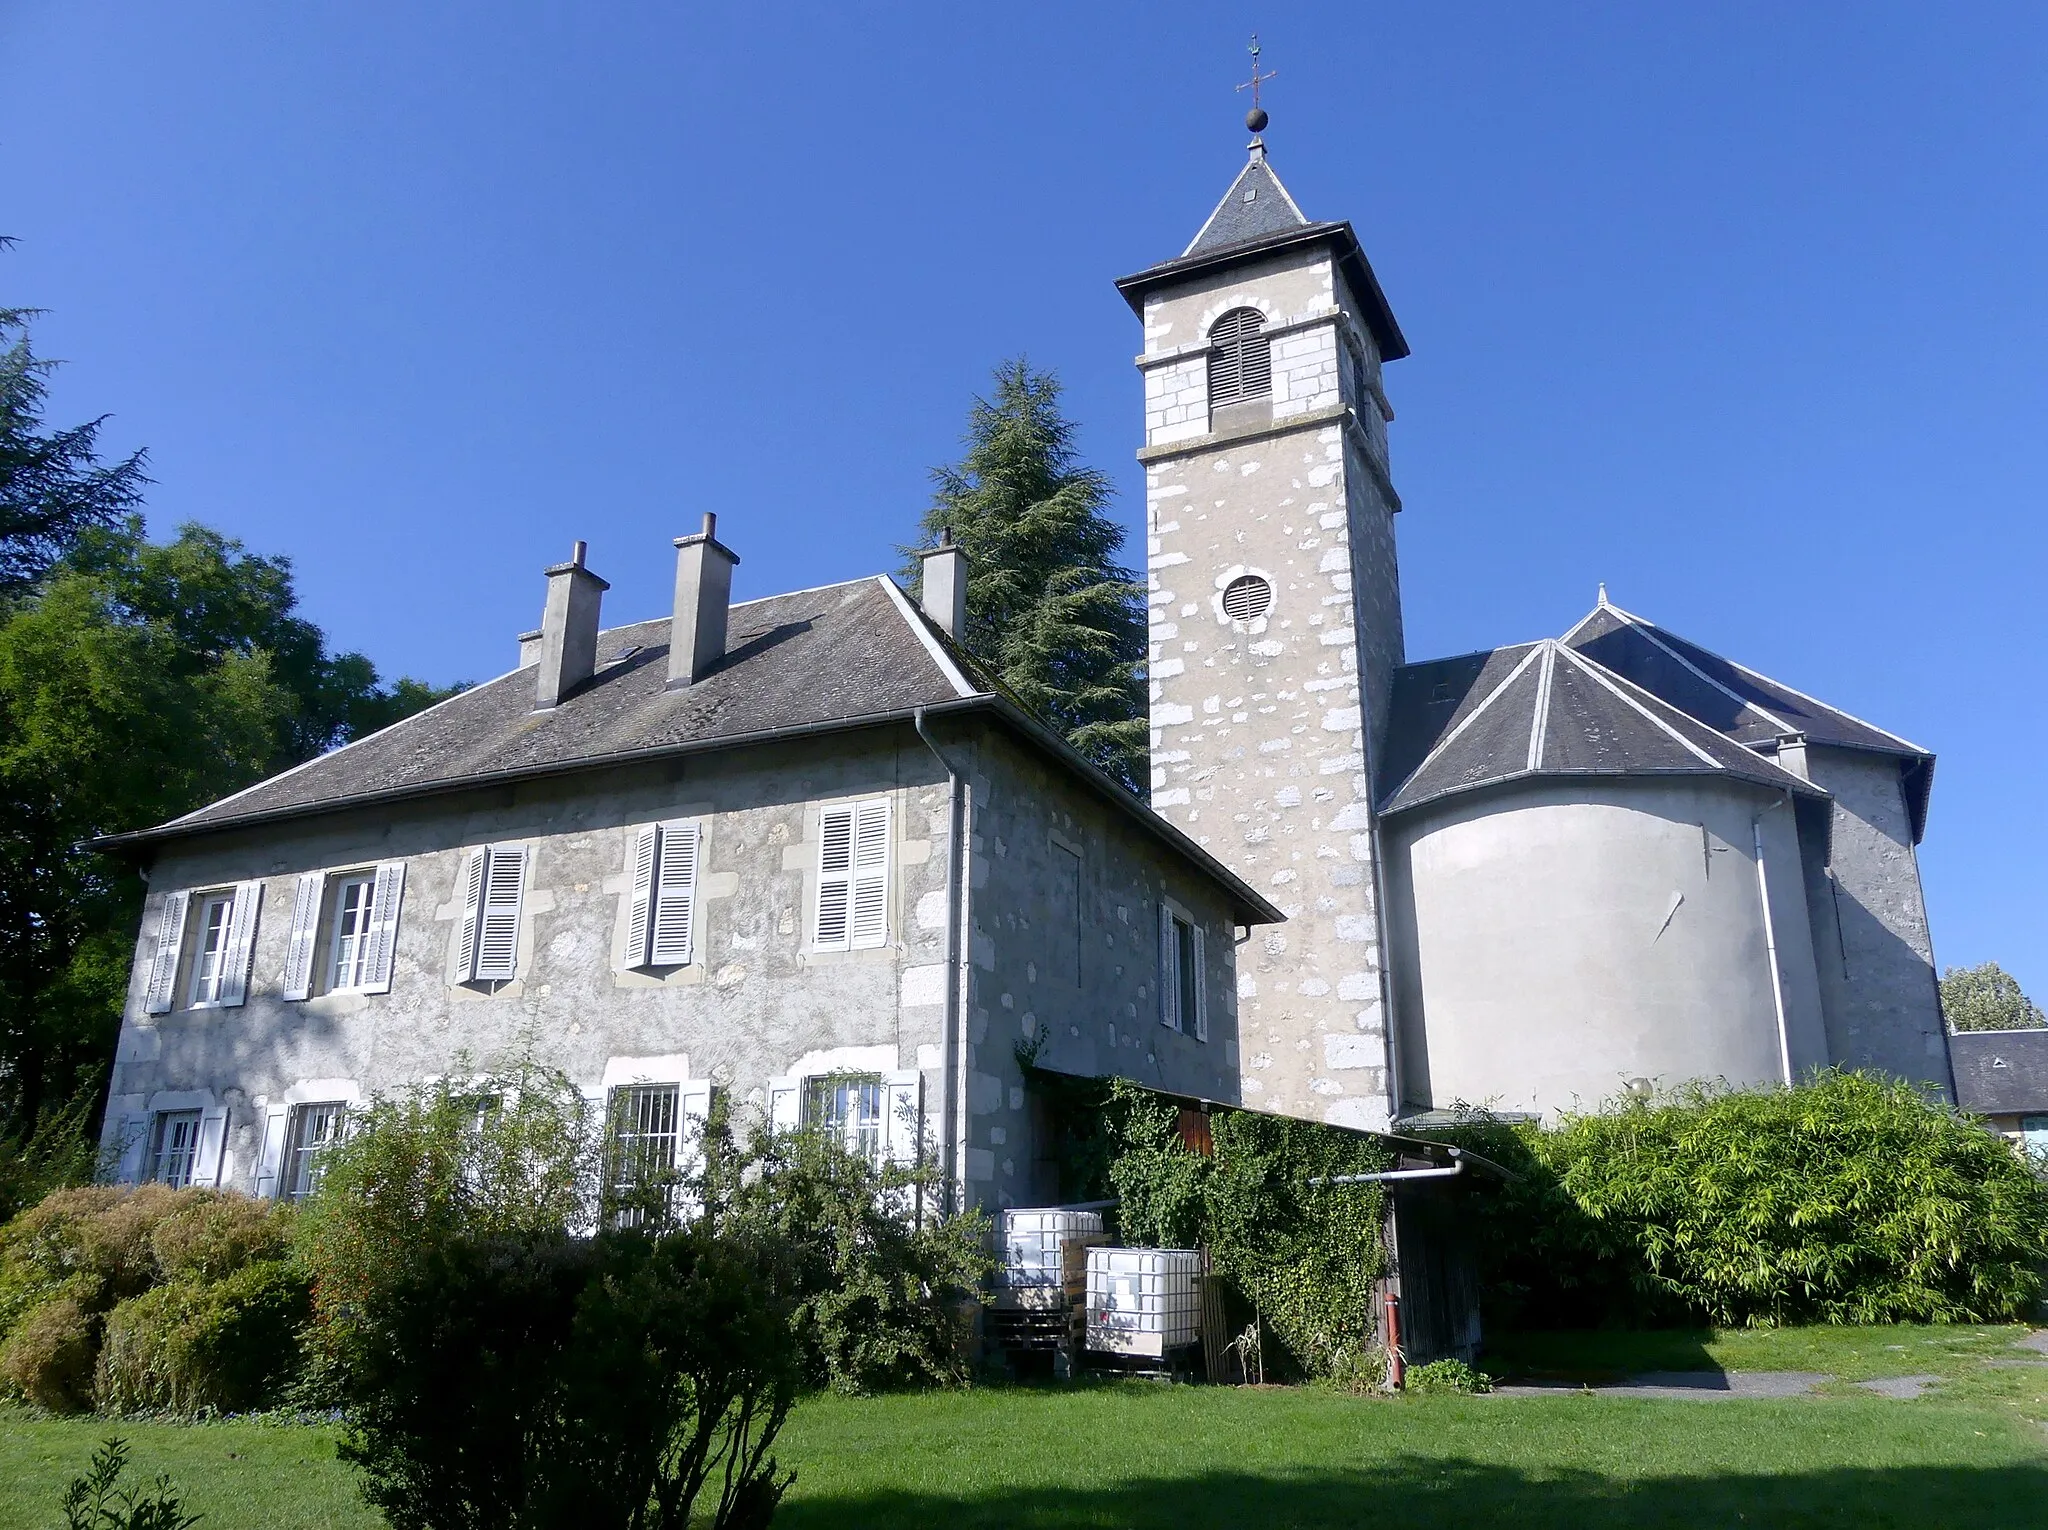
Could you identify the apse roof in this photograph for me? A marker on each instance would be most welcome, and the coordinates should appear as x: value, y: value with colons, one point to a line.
x: 1544, y: 710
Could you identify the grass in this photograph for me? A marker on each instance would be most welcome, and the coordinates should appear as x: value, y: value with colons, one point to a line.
x: 1973, y: 1453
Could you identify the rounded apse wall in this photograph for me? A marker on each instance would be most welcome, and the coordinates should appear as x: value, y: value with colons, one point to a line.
x: 1558, y: 942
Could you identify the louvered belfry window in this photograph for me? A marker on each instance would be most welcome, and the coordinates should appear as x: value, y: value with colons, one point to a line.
x: 1240, y: 358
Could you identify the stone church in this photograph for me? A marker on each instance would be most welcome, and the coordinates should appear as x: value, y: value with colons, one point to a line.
x: 803, y: 851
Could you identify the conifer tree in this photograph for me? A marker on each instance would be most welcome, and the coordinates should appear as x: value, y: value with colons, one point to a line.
x: 1052, y: 614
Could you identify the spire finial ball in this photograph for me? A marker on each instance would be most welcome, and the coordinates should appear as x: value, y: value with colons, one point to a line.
x: 1256, y: 119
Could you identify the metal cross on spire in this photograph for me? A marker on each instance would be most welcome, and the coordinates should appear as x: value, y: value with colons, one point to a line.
x: 1256, y: 118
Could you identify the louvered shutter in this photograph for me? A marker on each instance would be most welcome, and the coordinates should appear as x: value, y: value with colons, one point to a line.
x: 835, y: 877
x: 640, y: 902
x: 693, y: 1116
x: 170, y: 941
x: 675, y: 895
x: 903, y: 1115
x: 386, y: 894
x: 276, y: 1121
x: 241, y: 944
x: 785, y: 1104
x: 131, y: 1145
x: 472, y: 914
x: 298, y: 951
x: 1240, y: 358
x: 871, y: 874
x: 1201, y: 987
x: 497, y: 942
x: 1169, y: 976
x: 206, y: 1158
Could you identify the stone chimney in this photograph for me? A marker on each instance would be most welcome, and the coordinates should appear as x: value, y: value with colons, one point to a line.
x: 696, y: 637
x: 945, y: 586
x: 568, y: 629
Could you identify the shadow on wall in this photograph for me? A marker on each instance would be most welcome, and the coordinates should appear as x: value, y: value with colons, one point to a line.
x: 1424, y: 1493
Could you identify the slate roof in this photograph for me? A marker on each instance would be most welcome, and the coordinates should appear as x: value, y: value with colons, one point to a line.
x: 1736, y: 701
x: 1255, y: 205
x: 2000, y: 1073
x: 1544, y: 710
x: 841, y: 656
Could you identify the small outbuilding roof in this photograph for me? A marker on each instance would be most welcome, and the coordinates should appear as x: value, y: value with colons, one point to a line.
x: 2001, y: 1073
x: 1542, y: 709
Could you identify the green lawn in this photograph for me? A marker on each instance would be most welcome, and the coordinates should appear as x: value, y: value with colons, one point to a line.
x: 1973, y: 1453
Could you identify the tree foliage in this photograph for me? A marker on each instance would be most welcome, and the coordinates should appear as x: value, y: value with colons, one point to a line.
x: 138, y: 681
x: 1053, y: 616
x: 1987, y: 998
x: 1849, y: 1199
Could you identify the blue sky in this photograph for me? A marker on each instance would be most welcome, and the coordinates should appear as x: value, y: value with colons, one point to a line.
x: 1737, y: 307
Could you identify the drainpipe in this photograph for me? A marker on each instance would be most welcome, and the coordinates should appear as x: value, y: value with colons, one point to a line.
x: 959, y: 854
x: 1763, y: 892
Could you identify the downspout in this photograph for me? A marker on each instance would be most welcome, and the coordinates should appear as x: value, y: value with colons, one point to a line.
x: 1763, y: 892
x: 959, y: 848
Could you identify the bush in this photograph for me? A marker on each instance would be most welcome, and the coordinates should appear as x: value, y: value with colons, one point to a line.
x: 883, y: 1283
x: 1305, y: 1256
x: 48, y: 1358
x: 96, y: 1500
x: 195, y: 1287
x: 1446, y: 1376
x: 1850, y: 1199
x: 193, y: 1346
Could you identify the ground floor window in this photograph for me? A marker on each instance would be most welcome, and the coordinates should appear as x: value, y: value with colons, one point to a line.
x: 173, y: 1147
x: 2034, y: 1137
x: 646, y: 1123
x: 314, y: 1129
x: 848, y: 1106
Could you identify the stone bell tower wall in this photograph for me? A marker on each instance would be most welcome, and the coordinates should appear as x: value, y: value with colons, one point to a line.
x: 1263, y: 730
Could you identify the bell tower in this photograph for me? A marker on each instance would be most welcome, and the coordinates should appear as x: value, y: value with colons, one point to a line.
x: 1276, y: 617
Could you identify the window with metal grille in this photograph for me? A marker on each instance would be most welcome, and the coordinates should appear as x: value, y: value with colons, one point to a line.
x: 1247, y: 598
x: 174, y: 1147
x: 1240, y: 358
x: 646, y: 1130
x: 849, y: 1108
x: 314, y: 1129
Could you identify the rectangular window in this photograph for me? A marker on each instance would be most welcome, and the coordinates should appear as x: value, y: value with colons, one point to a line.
x: 1183, y: 997
x: 849, y: 1108
x: 646, y: 1131
x: 348, y: 939
x: 853, y: 876
x: 314, y: 1129
x: 174, y: 1147
x: 210, y: 955
x: 2034, y: 1138
x: 661, y: 920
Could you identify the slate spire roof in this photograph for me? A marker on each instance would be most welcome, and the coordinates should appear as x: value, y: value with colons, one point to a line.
x: 1256, y: 205
x: 1543, y: 709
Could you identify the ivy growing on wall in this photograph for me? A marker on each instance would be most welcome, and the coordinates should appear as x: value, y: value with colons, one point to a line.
x: 1305, y: 1257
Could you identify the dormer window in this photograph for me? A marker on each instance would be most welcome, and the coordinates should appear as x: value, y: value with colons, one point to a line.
x: 1240, y: 359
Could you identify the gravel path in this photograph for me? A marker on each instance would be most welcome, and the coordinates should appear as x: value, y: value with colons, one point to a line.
x: 1687, y: 1386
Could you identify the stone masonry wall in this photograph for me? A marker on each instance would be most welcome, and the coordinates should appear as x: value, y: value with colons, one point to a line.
x: 1260, y: 742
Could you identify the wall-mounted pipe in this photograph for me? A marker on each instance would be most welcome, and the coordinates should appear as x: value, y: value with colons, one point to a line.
x: 1393, y: 1175
x: 959, y: 858
x: 1763, y: 892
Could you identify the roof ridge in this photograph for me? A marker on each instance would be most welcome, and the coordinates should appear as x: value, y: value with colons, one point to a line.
x: 1470, y: 717
x: 918, y: 623
x: 1539, y: 726
x: 1655, y: 635
x: 1598, y: 674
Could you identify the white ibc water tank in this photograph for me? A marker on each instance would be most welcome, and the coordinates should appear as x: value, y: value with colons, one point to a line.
x: 1042, y: 1252
x: 1143, y: 1301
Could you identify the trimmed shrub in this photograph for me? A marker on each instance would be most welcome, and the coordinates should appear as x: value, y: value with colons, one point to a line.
x: 48, y: 1358
x: 193, y: 1346
x: 1849, y: 1199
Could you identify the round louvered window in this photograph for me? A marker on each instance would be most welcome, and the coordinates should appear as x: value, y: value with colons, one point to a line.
x: 1247, y: 598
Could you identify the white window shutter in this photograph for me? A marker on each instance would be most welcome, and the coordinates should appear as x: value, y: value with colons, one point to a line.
x: 871, y: 874
x: 640, y: 902
x: 275, y: 1122
x: 903, y: 1115
x: 785, y: 1104
x: 1169, y: 978
x: 1201, y: 987
x: 170, y: 942
x: 835, y: 878
x: 298, y: 951
x: 131, y: 1147
x: 693, y: 1112
x: 497, y: 942
x: 241, y: 946
x: 472, y: 914
x: 206, y: 1160
x: 675, y: 896
x: 386, y: 893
